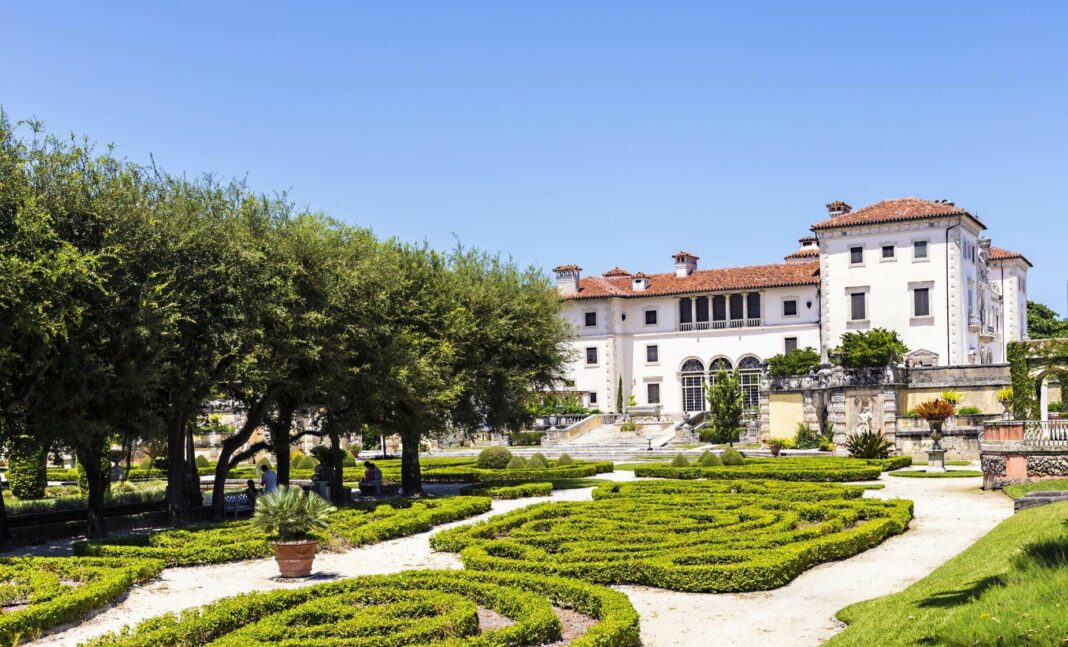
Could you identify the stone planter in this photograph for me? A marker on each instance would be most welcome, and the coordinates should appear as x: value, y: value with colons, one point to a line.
x: 775, y: 449
x: 295, y: 558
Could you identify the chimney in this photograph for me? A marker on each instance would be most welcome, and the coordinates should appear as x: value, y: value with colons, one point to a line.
x: 567, y: 279
x: 685, y: 264
x: 838, y: 208
x: 639, y: 282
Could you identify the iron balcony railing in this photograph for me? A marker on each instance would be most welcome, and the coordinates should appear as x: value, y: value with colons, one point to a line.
x: 721, y: 324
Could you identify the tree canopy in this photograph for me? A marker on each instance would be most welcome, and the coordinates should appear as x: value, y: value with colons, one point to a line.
x: 1044, y: 323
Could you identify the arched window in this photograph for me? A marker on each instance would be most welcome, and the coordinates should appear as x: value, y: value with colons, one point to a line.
x: 693, y: 386
x: 749, y: 378
x: 717, y: 365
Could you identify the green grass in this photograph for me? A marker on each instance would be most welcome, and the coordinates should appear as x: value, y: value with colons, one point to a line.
x: 1006, y: 589
x: 953, y: 463
x: 629, y: 467
x: 1018, y: 490
x: 921, y: 474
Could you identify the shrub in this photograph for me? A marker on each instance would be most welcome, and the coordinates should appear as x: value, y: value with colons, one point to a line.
x: 732, y: 456
x: 799, y: 361
x: 564, y: 461
x: 699, y: 541
x: 145, y: 463
x: 809, y: 438
x: 516, y: 463
x: 628, y: 426
x: 412, y: 607
x: 264, y: 463
x: 290, y: 514
x: 27, y: 472
x: 868, y: 444
x: 717, y: 436
x: 708, y: 459
x: 238, y: 540
x: 537, y: 462
x: 816, y: 469
x: 61, y: 590
x: 873, y: 348
x: 952, y: 397
x: 680, y: 461
x: 520, y: 491
x: 1004, y: 396
x: 826, y: 445
x: 494, y: 458
x: 467, y: 474
x: 347, y: 460
x: 975, y: 411
x: 201, y: 461
x: 525, y: 438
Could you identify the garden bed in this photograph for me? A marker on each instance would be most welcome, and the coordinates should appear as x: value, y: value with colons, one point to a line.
x: 828, y: 469
x: 410, y: 608
x: 471, y: 474
x: 708, y: 536
x: 238, y: 540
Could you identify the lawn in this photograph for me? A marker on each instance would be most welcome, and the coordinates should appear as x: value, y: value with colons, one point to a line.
x: 1019, y: 489
x: 707, y: 536
x: 1007, y: 589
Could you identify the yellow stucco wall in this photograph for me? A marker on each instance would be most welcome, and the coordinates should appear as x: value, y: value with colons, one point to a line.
x: 785, y: 410
x: 984, y: 397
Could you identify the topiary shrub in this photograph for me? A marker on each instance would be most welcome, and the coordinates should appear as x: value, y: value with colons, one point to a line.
x: 146, y: 463
x: 564, y: 460
x: 494, y: 458
x: 516, y: 463
x: 680, y: 461
x: 732, y: 456
x: 537, y: 462
x: 201, y: 461
x: 708, y: 459
x: 27, y: 472
x: 347, y: 460
x: 264, y: 463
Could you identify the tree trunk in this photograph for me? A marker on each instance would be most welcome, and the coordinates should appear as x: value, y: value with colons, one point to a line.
x: 280, y: 429
x: 177, y: 499
x: 7, y: 428
x: 256, y: 415
x: 411, y: 478
x: 90, y: 456
x: 336, y: 472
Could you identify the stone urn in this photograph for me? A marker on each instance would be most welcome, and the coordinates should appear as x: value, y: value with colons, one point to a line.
x: 936, y: 434
x: 295, y: 558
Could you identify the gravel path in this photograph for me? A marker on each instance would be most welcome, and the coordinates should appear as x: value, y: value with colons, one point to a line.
x: 950, y: 515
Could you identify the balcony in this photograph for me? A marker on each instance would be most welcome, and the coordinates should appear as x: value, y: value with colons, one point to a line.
x: 721, y: 324
x: 987, y: 333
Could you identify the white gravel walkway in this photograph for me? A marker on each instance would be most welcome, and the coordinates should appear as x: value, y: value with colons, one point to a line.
x: 951, y: 514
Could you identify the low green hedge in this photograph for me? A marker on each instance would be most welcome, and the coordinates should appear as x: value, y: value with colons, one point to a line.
x: 238, y: 540
x: 704, y: 536
x: 828, y: 469
x: 409, y: 608
x: 520, y: 491
x: 469, y: 474
x: 923, y: 474
x: 61, y: 590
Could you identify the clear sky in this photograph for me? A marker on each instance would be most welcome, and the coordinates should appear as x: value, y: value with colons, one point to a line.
x: 598, y: 133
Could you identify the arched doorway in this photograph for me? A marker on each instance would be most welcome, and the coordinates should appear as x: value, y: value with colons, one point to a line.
x: 693, y: 386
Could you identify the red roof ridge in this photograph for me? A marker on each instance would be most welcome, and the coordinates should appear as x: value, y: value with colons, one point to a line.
x: 896, y: 210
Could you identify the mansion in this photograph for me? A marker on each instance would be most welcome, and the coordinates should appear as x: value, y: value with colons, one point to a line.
x: 922, y: 268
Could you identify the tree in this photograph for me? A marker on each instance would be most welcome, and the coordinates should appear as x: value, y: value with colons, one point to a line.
x: 797, y: 362
x: 726, y: 403
x: 875, y: 348
x: 1044, y: 323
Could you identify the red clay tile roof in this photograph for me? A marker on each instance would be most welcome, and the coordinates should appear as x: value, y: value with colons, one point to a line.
x: 567, y: 268
x: 805, y: 252
x: 807, y: 239
x: 641, y: 275
x: 616, y: 271
x: 897, y: 210
x: 732, y: 278
x: 1001, y: 254
x: 686, y: 255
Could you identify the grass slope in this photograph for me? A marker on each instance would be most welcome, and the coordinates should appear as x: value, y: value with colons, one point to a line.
x: 1020, y: 489
x: 1007, y: 589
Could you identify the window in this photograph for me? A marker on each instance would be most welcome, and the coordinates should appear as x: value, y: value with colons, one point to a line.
x: 693, y: 386
x: 789, y: 308
x: 856, y: 255
x: 857, y: 306
x: 652, y: 354
x: 752, y: 305
x: 717, y: 365
x: 919, y: 249
x: 685, y: 311
x: 719, y: 308
x: 593, y: 397
x: 888, y: 251
x: 736, y: 307
x: 791, y: 344
x: 591, y: 319
x: 591, y: 355
x: 701, y: 304
x: 650, y: 317
x: 749, y: 378
x: 921, y: 302
x: 652, y: 393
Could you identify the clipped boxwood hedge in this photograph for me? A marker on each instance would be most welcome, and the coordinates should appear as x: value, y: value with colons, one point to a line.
x: 409, y: 608
x: 238, y: 540
x: 703, y: 536
x: 470, y: 474
x: 829, y: 469
x: 61, y: 590
x: 512, y: 491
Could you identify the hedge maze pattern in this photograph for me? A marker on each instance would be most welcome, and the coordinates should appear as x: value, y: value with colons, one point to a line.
x: 702, y: 536
x: 411, y: 608
x: 825, y: 469
x: 38, y: 593
x: 238, y: 540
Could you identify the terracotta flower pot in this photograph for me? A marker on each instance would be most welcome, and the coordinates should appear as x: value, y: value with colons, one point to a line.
x: 295, y: 557
x: 775, y: 449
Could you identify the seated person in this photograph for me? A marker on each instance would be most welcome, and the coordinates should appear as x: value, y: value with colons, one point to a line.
x: 372, y: 479
x: 250, y: 492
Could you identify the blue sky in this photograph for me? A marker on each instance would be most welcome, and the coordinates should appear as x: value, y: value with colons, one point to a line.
x: 599, y: 133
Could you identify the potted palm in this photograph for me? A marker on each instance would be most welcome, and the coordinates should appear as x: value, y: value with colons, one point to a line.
x: 936, y: 412
x: 289, y: 514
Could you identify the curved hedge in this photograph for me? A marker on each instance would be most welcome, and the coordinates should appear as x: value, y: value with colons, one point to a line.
x: 829, y: 469
x: 61, y: 590
x: 238, y: 540
x: 513, y: 491
x: 409, y: 608
x: 705, y: 536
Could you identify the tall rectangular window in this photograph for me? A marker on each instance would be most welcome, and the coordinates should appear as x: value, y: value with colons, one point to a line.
x: 856, y: 255
x: 701, y: 304
x: 685, y: 310
x: 736, y: 307
x: 857, y: 307
x: 652, y: 353
x: 791, y: 344
x: 789, y: 308
x: 591, y: 355
x: 591, y: 319
x: 652, y: 393
x: 921, y: 301
x: 752, y: 305
x: 919, y: 249
x: 650, y: 317
x: 719, y: 308
x: 593, y: 397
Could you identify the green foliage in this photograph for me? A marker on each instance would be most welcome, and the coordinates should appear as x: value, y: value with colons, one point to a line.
x: 202, y: 461
x: 816, y: 469
x: 520, y: 491
x: 410, y: 608
x: 680, y: 460
x: 718, y: 436
x: 564, y: 460
x: 525, y: 438
x: 628, y: 426
x: 145, y: 463
x: 517, y: 463
x: 26, y: 472
x: 40, y: 593
x: 952, y: 397
x: 1004, y: 395
x: 969, y: 411
x: 868, y: 444
x: 548, y: 404
x: 494, y: 458
x: 239, y: 540
x: 699, y: 543
x: 726, y: 404
x: 537, y: 462
x: 469, y: 474
x: 619, y: 395
x: 731, y: 456
x: 347, y: 460
x: 809, y: 438
x: 1044, y: 323
x: 289, y: 513
x: 873, y: 348
x: 264, y: 463
x: 799, y: 361
x: 709, y: 459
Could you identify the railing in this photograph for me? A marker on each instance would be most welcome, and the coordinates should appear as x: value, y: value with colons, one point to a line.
x: 1031, y: 433
x: 721, y: 324
x: 542, y: 423
x: 1046, y: 432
